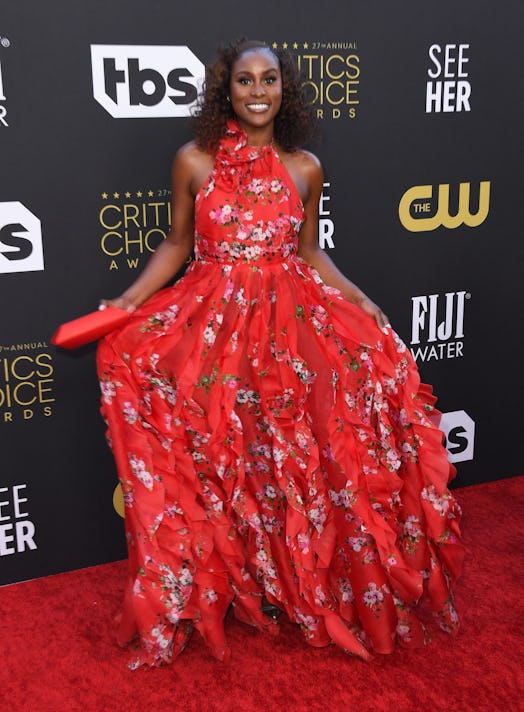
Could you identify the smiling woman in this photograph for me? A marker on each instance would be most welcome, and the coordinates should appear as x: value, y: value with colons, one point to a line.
x: 270, y: 429
x: 294, y: 123
x: 256, y: 93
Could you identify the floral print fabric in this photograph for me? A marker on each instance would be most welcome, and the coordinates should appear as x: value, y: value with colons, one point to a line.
x: 270, y: 439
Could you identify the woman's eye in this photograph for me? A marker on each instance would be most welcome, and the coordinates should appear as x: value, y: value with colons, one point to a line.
x: 243, y: 80
x: 270, y: 80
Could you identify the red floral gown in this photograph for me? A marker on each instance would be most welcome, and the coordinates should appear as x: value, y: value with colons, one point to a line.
x: 270, y: 439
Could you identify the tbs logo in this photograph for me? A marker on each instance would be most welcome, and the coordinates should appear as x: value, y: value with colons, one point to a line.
x: 459, y: 430
x: 20, y: 239
x: 145, y: 81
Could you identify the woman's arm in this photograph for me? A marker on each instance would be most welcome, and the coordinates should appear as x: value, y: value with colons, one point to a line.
x: 175, y: 250
x: 309, y: 249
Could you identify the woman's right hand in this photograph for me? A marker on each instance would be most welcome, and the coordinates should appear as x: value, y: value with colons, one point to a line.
x: 121, y: 302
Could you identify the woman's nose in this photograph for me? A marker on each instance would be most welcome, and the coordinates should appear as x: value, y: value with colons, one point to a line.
x: 258, y: 88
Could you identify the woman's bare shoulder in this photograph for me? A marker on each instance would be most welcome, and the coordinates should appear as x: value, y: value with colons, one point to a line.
x: 191, y: 155
x: 191, y: 167
x: 302, y: 158
x: 303, y: 162
x: 306, y: 171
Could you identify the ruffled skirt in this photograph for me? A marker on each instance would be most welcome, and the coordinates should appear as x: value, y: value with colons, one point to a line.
x: 271, y: 440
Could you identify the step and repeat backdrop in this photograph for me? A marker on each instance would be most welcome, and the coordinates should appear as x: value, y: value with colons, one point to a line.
x: 420, y: 133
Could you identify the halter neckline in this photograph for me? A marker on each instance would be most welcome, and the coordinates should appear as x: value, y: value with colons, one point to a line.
x: 234, y: 148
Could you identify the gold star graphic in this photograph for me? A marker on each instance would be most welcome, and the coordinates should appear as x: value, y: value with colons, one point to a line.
x: 275, y: 45
x: 305, y: 45
x: 150, y: 193
x: 116, y: 195
x: 104, y: 196
x: 138, y: 193
x: 295, y: 45
x: 284, y: 45
x: 127, y: 194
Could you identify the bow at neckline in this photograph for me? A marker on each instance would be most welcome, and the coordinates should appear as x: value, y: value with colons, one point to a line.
x: 234, y: 150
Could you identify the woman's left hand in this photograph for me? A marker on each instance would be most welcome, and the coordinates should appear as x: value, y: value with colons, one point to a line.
x: 376, y: 312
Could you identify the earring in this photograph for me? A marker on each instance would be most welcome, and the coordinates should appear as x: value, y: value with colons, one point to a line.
x: 228, y: 98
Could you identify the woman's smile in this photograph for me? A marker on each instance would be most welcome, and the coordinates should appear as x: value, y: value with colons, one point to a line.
x: 258, y: 108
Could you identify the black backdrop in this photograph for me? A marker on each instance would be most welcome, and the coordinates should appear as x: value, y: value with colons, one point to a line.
x: 73, y: 174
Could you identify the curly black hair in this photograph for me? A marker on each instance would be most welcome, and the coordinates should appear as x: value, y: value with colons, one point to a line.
x: 295, y: 122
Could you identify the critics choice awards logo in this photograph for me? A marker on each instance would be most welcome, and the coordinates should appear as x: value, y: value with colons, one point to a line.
x: 331, y: 72
x: 448, y: 88
x: 437, y: 326
x: 17, y: 531
x: 26, y: 382
x: 20, y: 239
x: 423, y: 208
x: 132, y: 224
x: 4, y: 44
x: 145, y: 81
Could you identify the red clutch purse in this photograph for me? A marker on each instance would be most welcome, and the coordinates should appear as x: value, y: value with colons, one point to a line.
x: 90, y: 327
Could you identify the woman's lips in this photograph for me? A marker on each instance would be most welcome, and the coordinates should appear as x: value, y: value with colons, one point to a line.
x: 257, y: 108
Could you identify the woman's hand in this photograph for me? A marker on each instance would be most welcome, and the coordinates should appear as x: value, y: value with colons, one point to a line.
x: 121, y: 302
x: 376, y: 312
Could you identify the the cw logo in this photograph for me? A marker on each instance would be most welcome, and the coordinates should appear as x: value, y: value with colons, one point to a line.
x: 414, y: 207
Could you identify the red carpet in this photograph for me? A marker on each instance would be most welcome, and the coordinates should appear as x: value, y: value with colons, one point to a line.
x: 58, y: 655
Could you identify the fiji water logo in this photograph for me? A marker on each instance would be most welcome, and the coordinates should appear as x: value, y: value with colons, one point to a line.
x: 437, y: 326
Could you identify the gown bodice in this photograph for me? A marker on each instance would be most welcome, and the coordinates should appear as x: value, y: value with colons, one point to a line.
x: 249, y: 210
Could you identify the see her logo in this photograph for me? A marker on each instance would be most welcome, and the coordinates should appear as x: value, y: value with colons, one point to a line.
x: 448, y: 89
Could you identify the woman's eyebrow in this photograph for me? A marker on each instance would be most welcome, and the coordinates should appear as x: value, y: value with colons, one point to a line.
x: 246, y: 71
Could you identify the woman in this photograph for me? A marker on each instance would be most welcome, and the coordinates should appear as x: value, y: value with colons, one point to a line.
x: 271, y: 433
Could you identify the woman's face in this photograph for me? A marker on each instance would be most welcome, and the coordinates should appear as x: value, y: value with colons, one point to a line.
x: 256, y: 88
